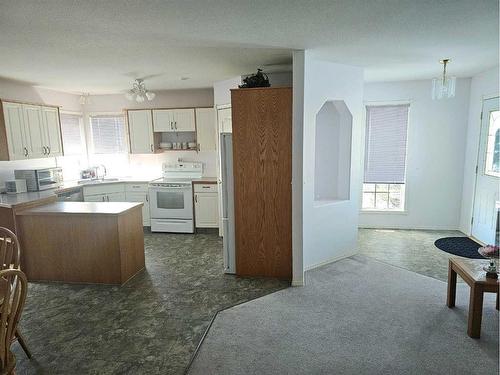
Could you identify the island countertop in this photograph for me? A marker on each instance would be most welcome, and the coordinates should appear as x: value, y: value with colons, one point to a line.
x: 79, y: 208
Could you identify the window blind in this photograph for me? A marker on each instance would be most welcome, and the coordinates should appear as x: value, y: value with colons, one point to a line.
x: 108, y: 134
x: 71, y: 129
x: 385, y: 148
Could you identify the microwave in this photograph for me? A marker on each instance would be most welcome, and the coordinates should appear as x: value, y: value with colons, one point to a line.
x: 40, y: 179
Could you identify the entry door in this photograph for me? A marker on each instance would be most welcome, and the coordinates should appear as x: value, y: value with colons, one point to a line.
x: 488, y: 175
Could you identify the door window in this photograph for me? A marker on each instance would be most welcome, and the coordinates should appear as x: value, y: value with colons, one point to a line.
x: 170, y: 200
x: 492, y: 165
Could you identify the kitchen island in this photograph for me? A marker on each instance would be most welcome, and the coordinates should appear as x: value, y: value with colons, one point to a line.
x: 82, y: 242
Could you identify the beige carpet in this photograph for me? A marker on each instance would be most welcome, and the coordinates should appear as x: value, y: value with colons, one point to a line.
x: 355, y: 316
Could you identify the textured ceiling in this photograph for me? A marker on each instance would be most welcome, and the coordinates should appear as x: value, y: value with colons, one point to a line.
x: 101, y: 46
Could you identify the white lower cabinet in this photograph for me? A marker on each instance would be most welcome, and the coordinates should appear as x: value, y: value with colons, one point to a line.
x: 120, y: 192
x: 144, y: 198
x: 206, y: 207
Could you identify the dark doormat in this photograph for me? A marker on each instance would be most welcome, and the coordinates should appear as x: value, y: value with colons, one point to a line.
x: 462, y: 246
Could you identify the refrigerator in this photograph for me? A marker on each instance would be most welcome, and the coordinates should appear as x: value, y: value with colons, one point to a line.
x: 227, y: 189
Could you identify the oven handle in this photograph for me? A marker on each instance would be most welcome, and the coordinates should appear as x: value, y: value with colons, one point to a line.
x: 170, y: 188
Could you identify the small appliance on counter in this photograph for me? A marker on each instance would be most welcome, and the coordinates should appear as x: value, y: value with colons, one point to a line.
x: 93, y: 173
x: 15, y: 186
x: 40, y: 179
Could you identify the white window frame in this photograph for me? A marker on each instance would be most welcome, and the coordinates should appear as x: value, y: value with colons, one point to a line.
x: 90, y: 143
x: 83, y: 131
x: 405, y: 210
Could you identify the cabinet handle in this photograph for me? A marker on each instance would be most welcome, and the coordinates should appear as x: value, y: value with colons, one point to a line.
x: 48, y: 148
x: 147, y: 198
x: 152, y: 148
x: 171, y: 125
x: 25, y: 151
x: 199, y: 147
x: 107, y: 198
x: 175, y: 124
x: 44, y: 150
x: 103, y: 198
x: 196, y: 198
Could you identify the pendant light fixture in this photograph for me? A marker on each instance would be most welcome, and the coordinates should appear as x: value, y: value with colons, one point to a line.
x: 139, y: 92
x: 85, y: 98
x: 443, y: 87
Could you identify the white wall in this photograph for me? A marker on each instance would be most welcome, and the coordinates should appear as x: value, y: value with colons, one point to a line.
x: 297, y: 168
x: 435, y: 155
x: 222, y: 90
x: 483, y: 85
x: 330, y: 229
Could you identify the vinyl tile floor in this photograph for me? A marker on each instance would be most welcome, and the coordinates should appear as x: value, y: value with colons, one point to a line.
x: 413, y: 250
x: 151, y: 325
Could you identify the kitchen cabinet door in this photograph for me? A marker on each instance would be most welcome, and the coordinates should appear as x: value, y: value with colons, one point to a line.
x: 116, y: 197
x: 163, y: 120
x: 206, y: 129
x: 144, y: 198
x: 14, y: 123
x: 224, y: 120
x: 52, y: 131
x: 184, y: 120
x: 140, y: 125
x: 206, y: 210
x: 95, y: 198
x: 33, y: 125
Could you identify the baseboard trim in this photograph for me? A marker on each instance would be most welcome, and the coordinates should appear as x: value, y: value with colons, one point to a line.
x: 413, y: 227
x: 297, y: 282
x: 331, y: 260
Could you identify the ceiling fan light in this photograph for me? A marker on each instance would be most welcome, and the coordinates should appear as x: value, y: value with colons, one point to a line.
x: 150, y: 95
x: 139, y: 99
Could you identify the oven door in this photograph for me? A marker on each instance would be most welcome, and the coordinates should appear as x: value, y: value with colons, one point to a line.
x: 171, y: 202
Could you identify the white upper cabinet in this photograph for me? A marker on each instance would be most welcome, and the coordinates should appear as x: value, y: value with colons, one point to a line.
x: 184, y: 120
x: 163, y: 120
x: 174, y: 120
x: 33, y: 125
x: 206, y: 129
x: 224, y: 120
x: 52, y: 132
x: 32, y: 131
x: 15, y: 132
x: 140, y: 125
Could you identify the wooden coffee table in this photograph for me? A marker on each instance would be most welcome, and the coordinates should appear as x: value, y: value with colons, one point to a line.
x: 471, y: 271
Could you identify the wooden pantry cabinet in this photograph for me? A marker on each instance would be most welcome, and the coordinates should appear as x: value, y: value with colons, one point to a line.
x: 29, y: 131
x: 262, y: 165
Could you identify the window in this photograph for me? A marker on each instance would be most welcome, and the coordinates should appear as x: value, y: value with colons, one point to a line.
x: 108, y: 134
x: 72, y: 134
x: 492, y: 166
x: 385, y: 157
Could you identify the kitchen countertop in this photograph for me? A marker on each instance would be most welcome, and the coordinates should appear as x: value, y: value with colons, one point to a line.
x: 78, y: 208
x: 205, y: 180
x: 15, y: 200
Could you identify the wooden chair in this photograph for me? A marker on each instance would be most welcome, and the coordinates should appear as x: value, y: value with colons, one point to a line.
x: 10, y: 258
x: 13, y: 289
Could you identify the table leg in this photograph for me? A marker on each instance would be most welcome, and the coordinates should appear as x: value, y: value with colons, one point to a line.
x: 452, y: 286
x: 475, y: 311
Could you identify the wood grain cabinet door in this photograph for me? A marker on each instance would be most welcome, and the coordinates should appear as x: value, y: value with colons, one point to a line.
x: 262, y: 168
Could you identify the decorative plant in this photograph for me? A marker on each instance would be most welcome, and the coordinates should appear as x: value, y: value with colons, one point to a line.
x: 258, y: 79
x: 493, y: 253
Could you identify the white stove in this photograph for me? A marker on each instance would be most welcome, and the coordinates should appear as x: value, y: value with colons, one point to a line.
x: 171, y: 198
